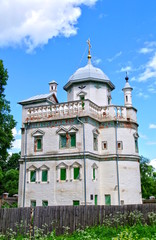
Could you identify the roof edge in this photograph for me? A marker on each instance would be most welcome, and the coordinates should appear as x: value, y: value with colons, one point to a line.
x: 71, y: 82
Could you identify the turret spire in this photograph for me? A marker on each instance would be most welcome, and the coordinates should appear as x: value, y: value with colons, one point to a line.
x: 126, y: 78
x: 89, y: 47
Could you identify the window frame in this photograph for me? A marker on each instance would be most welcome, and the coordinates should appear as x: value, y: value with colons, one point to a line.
x: 43, y: 201
x: 95, y: 199
x: 95, y: 142
x: 61, y: 174
x: 31, y: 175
x: 74, y: 173
x: 68, y: 140
x: 103, y: 143
x: 121, y: 145
x: 36, y: 149
x: 43, y: 170
x: 76, y: 201
x: 32, y: 201
x: 91, y: 197
x: 94, y: 174
x: 136, y: 145
x: 108, y: 195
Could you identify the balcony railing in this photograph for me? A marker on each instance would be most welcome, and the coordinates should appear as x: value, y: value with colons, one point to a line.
x: 80, y: 108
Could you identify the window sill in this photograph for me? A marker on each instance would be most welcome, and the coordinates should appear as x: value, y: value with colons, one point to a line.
x: 67, y: 148
x: 76, y: 180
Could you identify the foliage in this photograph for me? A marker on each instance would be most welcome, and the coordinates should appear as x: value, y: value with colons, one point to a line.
x: 148, y: 178
x: 9, y: 177
x: 11, y: 181
x: 6, y: 205
x: 6, y: 119
x: 13, y: 161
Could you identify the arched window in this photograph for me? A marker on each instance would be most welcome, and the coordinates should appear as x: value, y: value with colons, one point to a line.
x: 126, y: 98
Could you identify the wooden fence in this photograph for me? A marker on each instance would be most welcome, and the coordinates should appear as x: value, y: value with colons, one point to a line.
x: 61, y: 217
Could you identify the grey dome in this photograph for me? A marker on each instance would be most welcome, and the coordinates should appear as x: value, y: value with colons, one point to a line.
x: 88, y: 73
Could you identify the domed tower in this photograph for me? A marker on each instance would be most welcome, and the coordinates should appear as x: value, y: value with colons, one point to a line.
x: 90, y: 83
x: 127, y: 93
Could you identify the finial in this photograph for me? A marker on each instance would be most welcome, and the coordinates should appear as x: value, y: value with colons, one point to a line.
x: 126, y: 78
x: 89, y: 45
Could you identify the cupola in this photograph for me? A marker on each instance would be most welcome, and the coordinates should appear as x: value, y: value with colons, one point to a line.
x: 127, y: 93
x: 53, y: 87
x: 91, y: 82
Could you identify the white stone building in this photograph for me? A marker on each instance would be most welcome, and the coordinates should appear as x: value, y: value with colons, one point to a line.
x: 81, y: 151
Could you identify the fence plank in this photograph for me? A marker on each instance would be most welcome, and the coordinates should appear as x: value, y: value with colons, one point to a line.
x: 58, y: 217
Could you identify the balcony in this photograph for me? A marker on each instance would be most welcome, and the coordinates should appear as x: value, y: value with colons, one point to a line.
x: 79, y: 108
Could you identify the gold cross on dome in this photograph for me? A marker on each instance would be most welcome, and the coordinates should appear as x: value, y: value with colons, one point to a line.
x: 89, y: 45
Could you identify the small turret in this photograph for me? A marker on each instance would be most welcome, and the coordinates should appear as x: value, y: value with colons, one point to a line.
x: 127, y: 93
x: 53, y: 87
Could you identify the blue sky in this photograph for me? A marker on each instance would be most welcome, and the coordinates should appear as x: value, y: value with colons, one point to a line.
x: 42, y: 41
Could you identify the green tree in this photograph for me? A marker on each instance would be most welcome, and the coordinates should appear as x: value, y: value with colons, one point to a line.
x: 13, y: 162
x: 1, y: 181
x: 148, y: 178
x: 10, y: 181
x: 7, y: 123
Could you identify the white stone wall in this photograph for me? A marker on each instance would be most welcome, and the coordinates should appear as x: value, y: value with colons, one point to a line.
x: 95, y: 92
x: 51, y: 141
x: 58, y: 192
x: 129, y: 182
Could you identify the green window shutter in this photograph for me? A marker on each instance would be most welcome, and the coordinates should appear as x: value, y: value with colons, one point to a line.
x: 76, y: 173
x: 63, y: 141
x: 95, y: 199
x: 39, y: 144
x: 44, y: 203
x: 44, y: 175
x: 73, y: 140
x: 63, y: 174
x: 32, y: 176
x: 107, y: 199
x: 76, y: 203
x: 93, y: 173
x: 33, y: 203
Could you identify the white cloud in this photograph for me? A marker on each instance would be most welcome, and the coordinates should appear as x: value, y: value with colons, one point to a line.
x: 102, y: 15
x: 16, y: 144
x: 126, y: 69
x: 32, y: 23
x: 152, y: 126
x: 97, y: 61
x: 153, y: 163
x: 143, y: 95
x: 133, y: 79
x: 150, y: 44
x: 15, y: 132
x: 114, y: 57
x: 150, y: 70
x: 151, y: 89
x: 146, y: 50
x: 142, y: 136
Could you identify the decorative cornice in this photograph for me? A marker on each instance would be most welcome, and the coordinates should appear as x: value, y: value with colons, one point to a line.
x: 80, y: 155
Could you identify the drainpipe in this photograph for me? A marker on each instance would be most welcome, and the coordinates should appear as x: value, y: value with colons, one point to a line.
x: 117, y: 162
x: 25, y: 155
x: 84, y: 158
